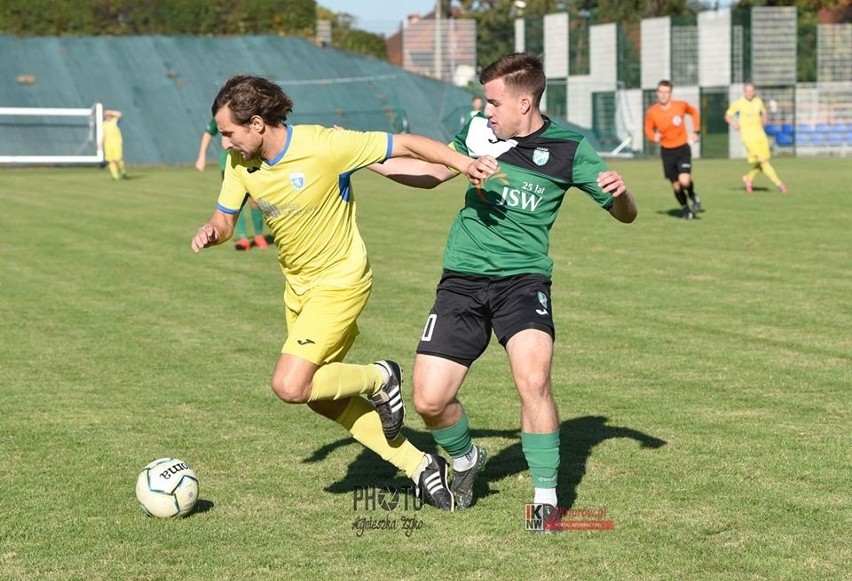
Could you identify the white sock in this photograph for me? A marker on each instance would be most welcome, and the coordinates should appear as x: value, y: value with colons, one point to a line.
x: 417, y: 473
x: 385, y: 374
x: 545, y: 496
x: 467, y: 461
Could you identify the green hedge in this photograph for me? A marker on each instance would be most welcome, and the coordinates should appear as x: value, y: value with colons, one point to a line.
x: 131, y: 17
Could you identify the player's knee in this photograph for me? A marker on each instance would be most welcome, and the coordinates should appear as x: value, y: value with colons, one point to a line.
x: 290, y: 391
x: 428, y: 404
x: 534, y: 387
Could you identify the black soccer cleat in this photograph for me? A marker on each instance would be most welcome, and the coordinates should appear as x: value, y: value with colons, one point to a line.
x: 696, y: 205
x: 388, y: 400
x: 462, y: 484
x: 433, y: 487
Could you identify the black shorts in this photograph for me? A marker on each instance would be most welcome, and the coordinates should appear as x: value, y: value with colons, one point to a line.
x: 467, y: 308
x: 676, y: 161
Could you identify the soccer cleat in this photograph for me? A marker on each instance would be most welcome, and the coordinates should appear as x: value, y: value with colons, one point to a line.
x: 747, y: 183
x: 242, y: 244
x: 462, y: 484
x: 388, y: 400
x: 433, y: 488
x: 687, y: 213
x: 783, y: 189
x: 696, y: 205
x: 260, y: 241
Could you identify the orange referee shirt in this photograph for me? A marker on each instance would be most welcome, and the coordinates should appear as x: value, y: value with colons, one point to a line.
x: 670, y: 123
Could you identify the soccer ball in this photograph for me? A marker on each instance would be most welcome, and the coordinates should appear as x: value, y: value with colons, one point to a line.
x: 166, y: 488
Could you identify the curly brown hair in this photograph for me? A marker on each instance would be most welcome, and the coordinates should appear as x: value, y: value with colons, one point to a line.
x: 247, y: 96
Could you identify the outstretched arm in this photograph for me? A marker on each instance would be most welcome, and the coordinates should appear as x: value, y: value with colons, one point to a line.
x: 430, y: 150
x: 623, y: 206
x: 413, y: 172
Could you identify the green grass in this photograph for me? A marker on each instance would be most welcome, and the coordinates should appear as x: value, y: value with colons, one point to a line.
x: 702, y: 371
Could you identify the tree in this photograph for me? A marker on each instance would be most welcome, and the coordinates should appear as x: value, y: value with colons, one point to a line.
x: 126, y: 17
x: 345, y: 36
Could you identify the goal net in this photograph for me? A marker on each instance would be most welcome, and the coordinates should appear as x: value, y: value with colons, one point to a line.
x: 40, y: 135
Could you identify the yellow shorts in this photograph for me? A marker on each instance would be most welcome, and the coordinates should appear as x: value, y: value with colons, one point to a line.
x: 757, y: 149
x: 322, y: 322
x: 113, y: 152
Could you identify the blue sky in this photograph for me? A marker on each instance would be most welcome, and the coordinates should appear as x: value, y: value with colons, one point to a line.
x: 379, y: 16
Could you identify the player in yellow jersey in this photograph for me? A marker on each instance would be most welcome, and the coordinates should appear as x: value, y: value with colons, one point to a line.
x: 299, y: 175
x: 113, y: 144
x: 748, y: 115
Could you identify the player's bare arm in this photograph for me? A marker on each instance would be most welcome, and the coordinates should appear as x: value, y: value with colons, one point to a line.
x: 423, y: 174
x: 217, y: 230
x: 201, y: 160
x: 731, y: 120
x: 414, y: 172
x: 436, y: 152
x: 624, y: 204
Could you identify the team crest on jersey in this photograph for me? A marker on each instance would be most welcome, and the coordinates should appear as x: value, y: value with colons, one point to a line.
x: 677, y: 120
x: 541, y: 155
x: 297, y: 178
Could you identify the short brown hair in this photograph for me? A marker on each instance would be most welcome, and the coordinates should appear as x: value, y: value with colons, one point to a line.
x: 665, y: 83
x: 521, y: 71
x: 247, y: 96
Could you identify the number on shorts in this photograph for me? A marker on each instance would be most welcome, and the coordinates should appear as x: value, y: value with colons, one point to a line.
x: 429, y: 328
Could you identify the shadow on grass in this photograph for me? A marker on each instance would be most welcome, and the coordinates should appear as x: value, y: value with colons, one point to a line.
x: 678, y: 213
x: 578, y: 436
x: 201, y: 506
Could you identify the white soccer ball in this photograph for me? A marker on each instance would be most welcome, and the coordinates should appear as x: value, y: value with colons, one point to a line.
x: 166, y: 488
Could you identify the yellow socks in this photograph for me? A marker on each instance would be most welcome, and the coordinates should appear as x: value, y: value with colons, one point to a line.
x: 770, y: 173
x: 340, y: 380
x: 362, y: 421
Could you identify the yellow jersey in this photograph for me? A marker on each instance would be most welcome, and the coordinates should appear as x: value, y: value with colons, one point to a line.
x: 113, y: 143
x: 306, y: 198
x: 750, y: 116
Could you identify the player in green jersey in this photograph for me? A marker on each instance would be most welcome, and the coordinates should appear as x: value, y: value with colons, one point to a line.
x: 497, y: 271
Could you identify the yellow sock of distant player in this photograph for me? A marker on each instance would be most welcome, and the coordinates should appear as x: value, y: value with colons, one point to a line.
x: 113, y: 170
x: 770, y: 172
x: 363, y: 422
x: 339, y: 380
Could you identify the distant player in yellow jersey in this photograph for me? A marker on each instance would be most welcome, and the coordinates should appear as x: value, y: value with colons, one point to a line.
x: 113, y: 144
x: 299, y: 175
x: 748, y: 115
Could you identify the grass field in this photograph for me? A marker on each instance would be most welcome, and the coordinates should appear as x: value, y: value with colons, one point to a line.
x: 702, y: 372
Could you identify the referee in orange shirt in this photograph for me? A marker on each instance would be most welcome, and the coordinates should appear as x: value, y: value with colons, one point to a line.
x: 665, y: 124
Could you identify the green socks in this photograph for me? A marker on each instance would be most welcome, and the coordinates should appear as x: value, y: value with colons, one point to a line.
x: 542, y: 454
x: 455, y: 439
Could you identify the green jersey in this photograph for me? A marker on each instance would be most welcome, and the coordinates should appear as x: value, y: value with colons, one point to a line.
x: 504, y: 227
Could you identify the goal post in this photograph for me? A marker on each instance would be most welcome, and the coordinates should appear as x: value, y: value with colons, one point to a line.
x: 52, y: 135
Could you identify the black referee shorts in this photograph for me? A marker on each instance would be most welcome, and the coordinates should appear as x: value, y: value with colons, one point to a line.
x: 467, y: 308
x: 676, y: 161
